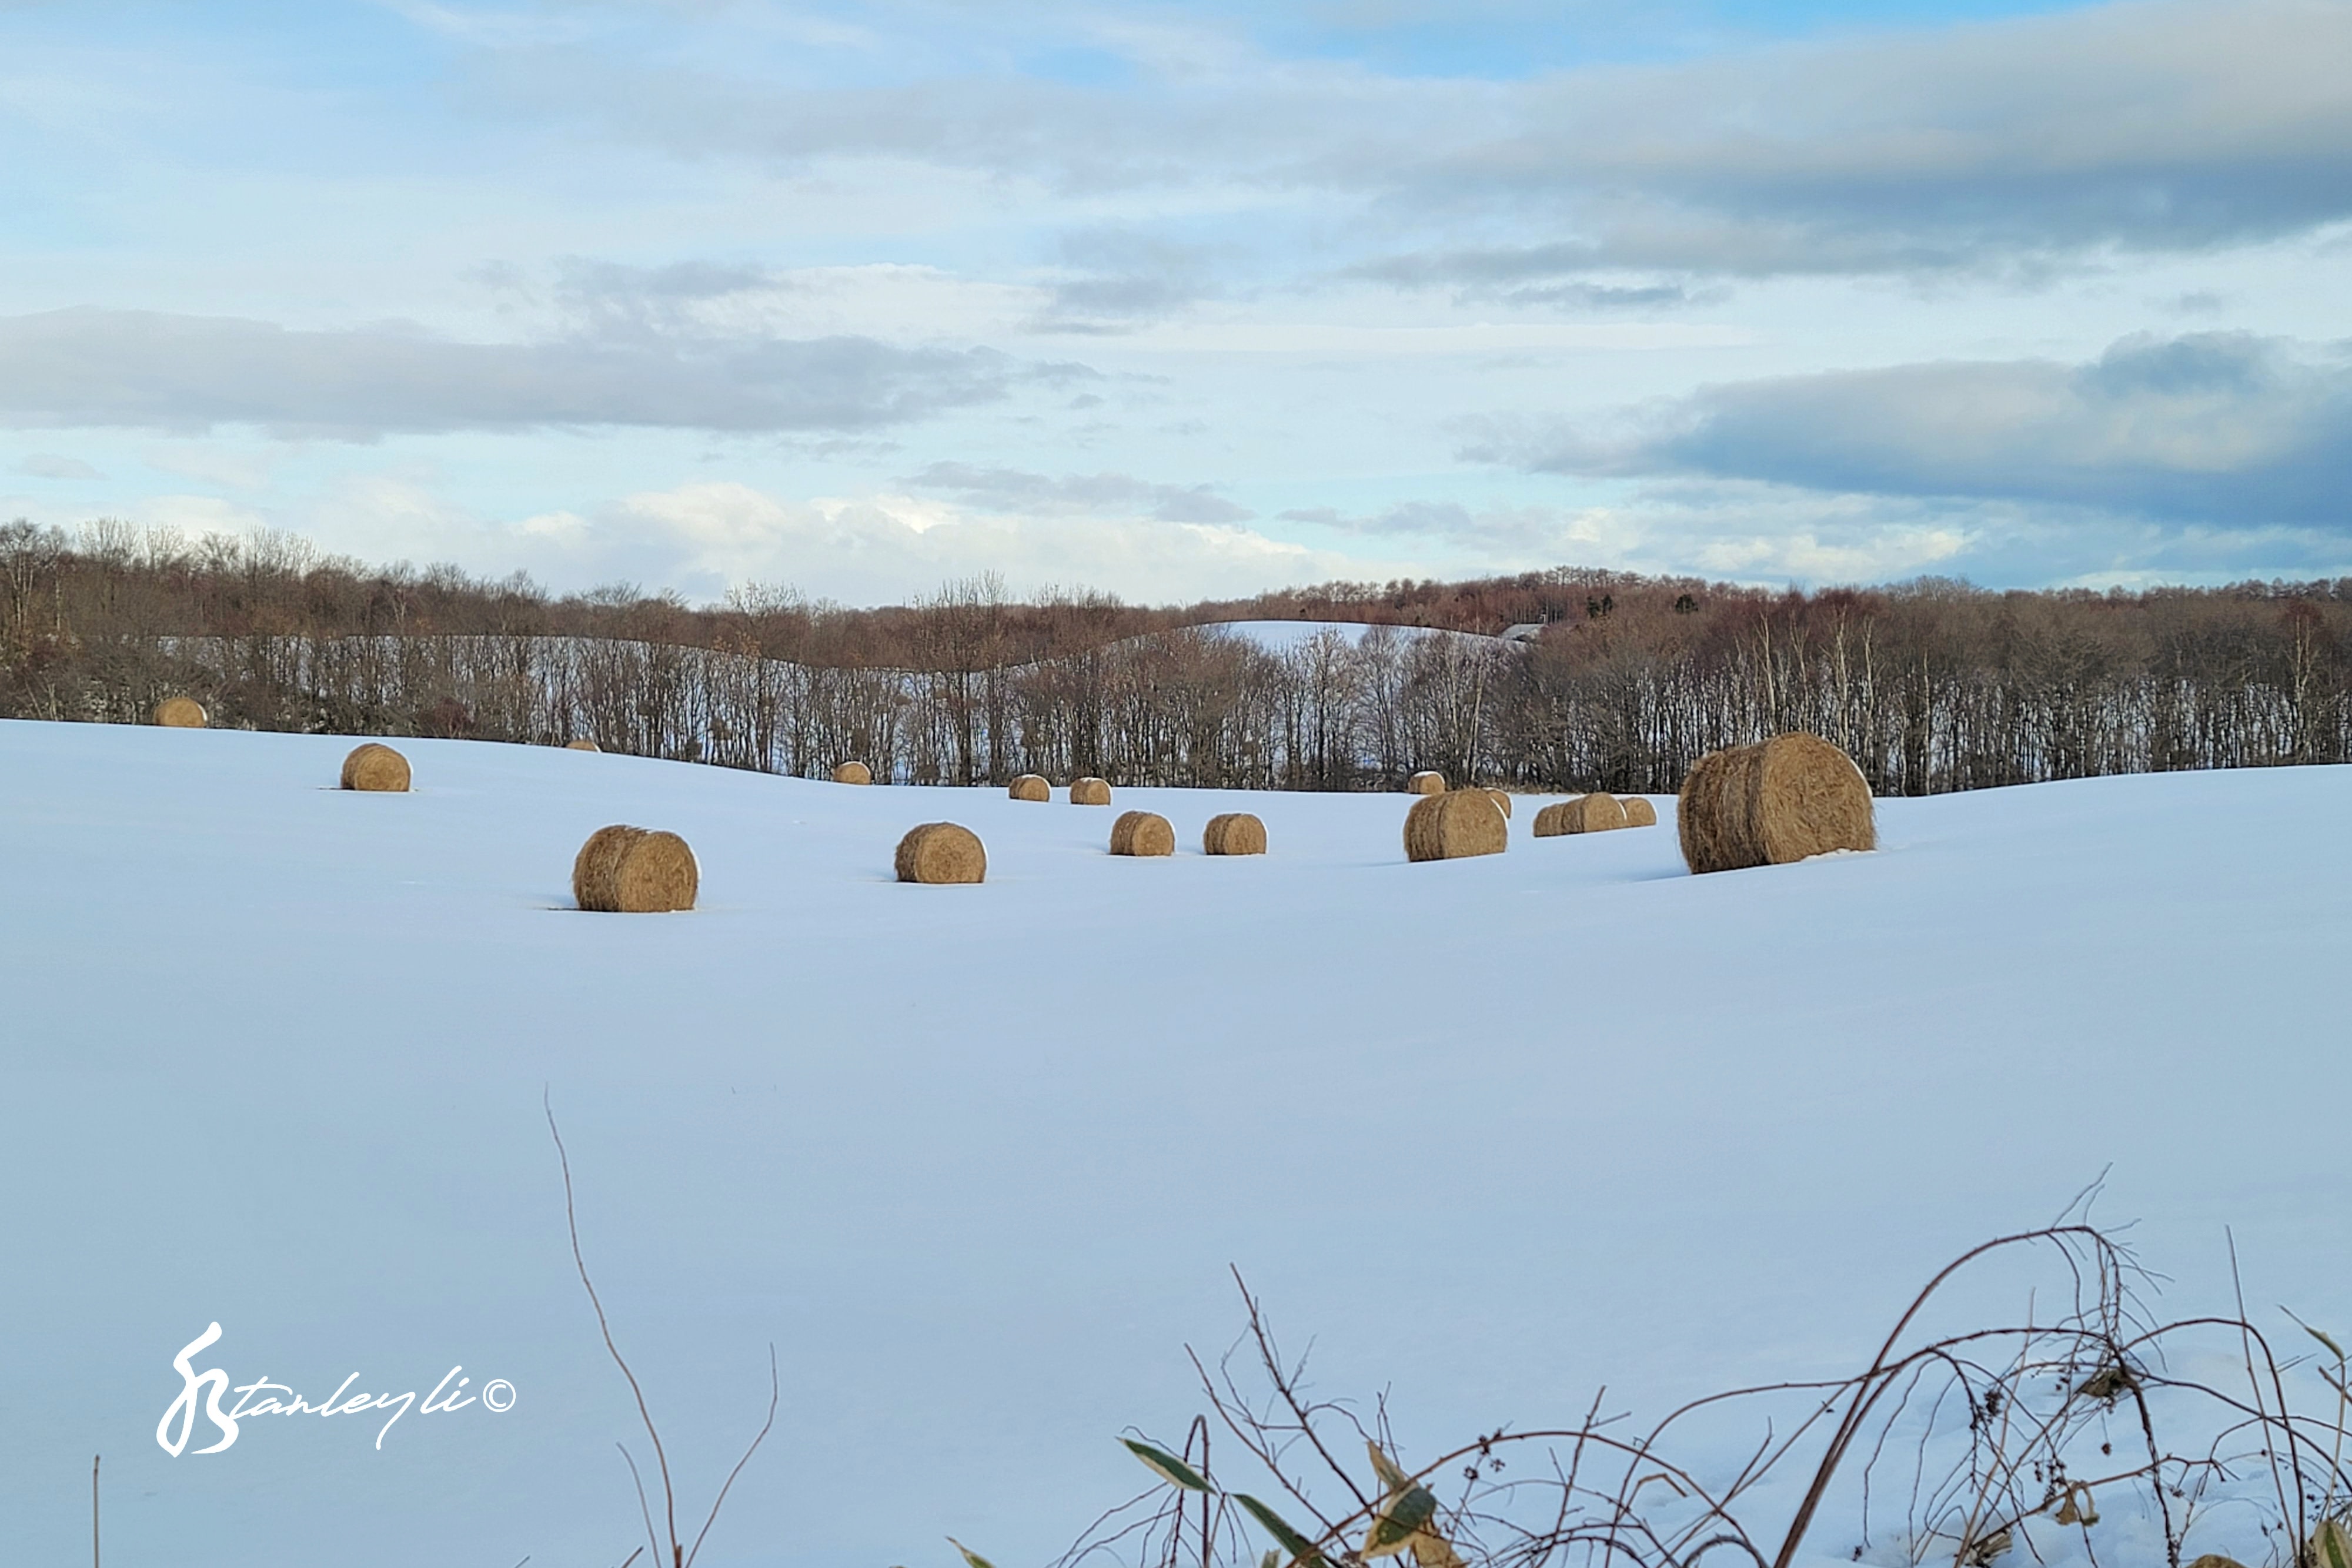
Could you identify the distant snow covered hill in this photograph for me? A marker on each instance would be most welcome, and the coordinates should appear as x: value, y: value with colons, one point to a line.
x: 1286, y: 636
x: 975, y: 1159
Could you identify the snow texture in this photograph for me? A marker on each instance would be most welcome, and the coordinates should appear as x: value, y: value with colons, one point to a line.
x: 975, y: 1159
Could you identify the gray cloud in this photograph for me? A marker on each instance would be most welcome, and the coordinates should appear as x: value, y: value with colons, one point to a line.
x: 49, y: 466
x: 1122, y: 279
x: 88, y: 366
x: 2220, y: 427
x: 1010, y: 489
x: 2012, y: 145
x: 1545, y: 274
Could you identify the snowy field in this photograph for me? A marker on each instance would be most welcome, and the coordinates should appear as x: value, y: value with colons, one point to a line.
x: 975, y: 1160
x: 1282, y: 636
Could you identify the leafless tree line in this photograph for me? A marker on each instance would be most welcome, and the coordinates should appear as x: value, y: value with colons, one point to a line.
x: 1931, y: 687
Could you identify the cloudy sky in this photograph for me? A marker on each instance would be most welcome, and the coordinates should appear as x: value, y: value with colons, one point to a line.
x: 1177, y: 300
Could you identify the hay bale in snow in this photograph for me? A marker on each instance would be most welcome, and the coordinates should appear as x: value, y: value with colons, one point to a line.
x: 622, y: 870
x: 1585, y: 814
x: 1425, y: 783
x: 1089, y: 793
x: 941, y: 853
x: 853, y: 773
x: 1639, y: 812
x: 375, y: 766
x: 1031, y: 786
x: 1234, y: 833
x: 1502, y: 802
x: 1143, y: 834
x: 181, y: 712
x: 583, y: 743
x: 1788, y: 797
x: 1454, y: 825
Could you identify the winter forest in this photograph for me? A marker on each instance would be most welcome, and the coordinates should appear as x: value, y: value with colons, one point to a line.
x: 1932, y: 686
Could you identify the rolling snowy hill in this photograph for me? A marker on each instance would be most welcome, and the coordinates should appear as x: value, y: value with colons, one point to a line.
x: 976, y: 1159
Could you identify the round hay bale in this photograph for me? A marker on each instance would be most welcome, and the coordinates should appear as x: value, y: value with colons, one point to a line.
x: 853, y: 773
x: 375, y: 766
x: 1773, y: 803
x: 1425, y: 783
x: 1502, y: 802
x: 1639, y: 812
x: 1089, y: 793
x: 1143, y: 834
x: 1547, y: 823
x: 181, y: 712
x: 1590, y: 814
x: 1454, y: 825
x: 941, y: 853
x: 583, y: 743
x: 622, y: 870
x: 1031, y: 786
x: 1234, y: 833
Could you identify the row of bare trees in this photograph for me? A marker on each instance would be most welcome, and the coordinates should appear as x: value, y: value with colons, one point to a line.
x: 1931, y: 687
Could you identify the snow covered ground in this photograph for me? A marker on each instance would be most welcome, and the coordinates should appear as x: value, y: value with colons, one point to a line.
x: 1282, y: 636
x: 975, y: 1159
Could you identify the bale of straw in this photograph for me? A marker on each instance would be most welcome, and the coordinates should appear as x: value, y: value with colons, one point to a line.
x: 1234, y: 833
x: 1594, y: 813
x: 622, y: 870
x: 375, y: 766
x: 1502, y: 802
x: 1143, y: 834
x: 583, y: 743
x: 1031, y: 786
x: 1773, y: 803
x: 853, y: 773
x: 1454, y: 825
x: 1089, y: 793
x: 940, y: 853
x: 181, y: 712
x: 1639, y: 812
x: 1547, y: 823
x: 1425, y: 783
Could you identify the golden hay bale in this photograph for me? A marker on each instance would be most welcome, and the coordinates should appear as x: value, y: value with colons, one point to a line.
x: 1502, y: 802
x: 1594, y: 813
x: 1089, y: 793
x: 1425, y: 783
x: 853, y: 773
x: 1143, y: 834
x: 942, y: 853
x: 1234, y: 833
x: 1547, y: 823
x: 181, y: 712
x: 583, y: 743
x: 1783, y: 800
x: 1453, y: 825
x: 1031, y: 786
x: 622, y: 870
x: 374, y: 766
x: 1639, y: 812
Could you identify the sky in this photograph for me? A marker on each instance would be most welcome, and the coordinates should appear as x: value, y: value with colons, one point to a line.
x: 1176, y: 301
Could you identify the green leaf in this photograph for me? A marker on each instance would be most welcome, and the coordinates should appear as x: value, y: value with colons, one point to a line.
x: 1272, y: 1559
x: 972, y: 1559
x: 1167, y: 1466
x: 1392, y: 1479
x: 2331, y: 1544
x: 1300, y: 1549
x: 1413, y: 1509
x: 2333, y: 1348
